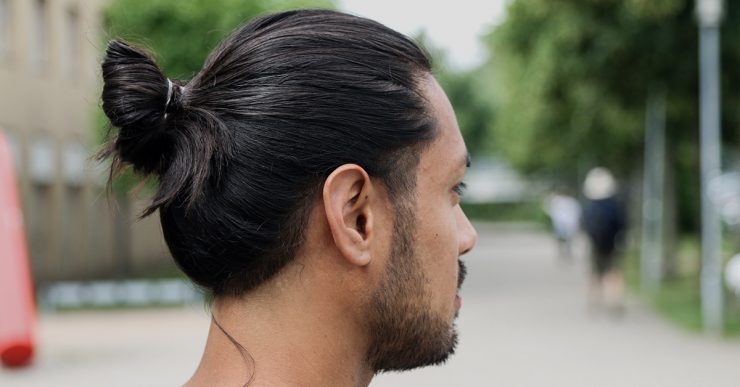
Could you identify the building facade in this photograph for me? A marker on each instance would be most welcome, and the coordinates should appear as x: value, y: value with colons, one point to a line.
x: 49, y: 98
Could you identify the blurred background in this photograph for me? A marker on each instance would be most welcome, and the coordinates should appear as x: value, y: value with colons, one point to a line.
x: 544, y: 92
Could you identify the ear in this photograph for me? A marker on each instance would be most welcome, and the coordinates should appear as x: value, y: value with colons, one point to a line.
x: 347, y: 194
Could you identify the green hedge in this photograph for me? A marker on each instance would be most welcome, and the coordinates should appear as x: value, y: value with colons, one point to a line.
x: 506, y: 212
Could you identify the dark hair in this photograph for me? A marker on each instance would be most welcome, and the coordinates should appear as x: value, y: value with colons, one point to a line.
x: 242, y: 149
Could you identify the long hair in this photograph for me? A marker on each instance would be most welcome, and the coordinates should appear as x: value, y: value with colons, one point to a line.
x: 242, y: 148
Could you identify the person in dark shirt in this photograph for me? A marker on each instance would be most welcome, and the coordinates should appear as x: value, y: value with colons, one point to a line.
x: 604, y: 223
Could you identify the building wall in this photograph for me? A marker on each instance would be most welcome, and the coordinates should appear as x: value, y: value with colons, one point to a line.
x: 49, y: 93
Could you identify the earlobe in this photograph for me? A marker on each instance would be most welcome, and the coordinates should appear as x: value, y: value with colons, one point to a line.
x: 347, y: 193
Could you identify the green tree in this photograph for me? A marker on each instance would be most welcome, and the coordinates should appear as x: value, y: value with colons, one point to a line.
x: 572, y: 77
x: 183, y: 32
x: 474, y: 112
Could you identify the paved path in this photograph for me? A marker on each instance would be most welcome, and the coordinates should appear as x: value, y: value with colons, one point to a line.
x: 523, y: 323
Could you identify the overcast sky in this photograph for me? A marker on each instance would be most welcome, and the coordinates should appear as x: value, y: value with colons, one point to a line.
x: 454, y: 26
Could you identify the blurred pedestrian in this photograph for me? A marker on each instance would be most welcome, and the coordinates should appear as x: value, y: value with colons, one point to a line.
x: 564, y: 212
x: 604, y: 223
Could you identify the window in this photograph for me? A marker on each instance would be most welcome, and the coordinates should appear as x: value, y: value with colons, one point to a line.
x: 39, y: 36
x: 71, y: 51
x: 43, y: 161
x: 74, y: 158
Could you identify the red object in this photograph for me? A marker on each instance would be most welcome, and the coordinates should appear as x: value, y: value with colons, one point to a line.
x: 17, y: 312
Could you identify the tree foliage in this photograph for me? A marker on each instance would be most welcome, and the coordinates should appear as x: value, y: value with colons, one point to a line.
x: 183, y: 32
x: 473, y: 110
x: 572, y: 78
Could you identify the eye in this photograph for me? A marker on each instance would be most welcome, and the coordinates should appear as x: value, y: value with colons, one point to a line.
x: 459, y: 188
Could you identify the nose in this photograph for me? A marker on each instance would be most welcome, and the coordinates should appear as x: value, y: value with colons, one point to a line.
x: 466, y: 232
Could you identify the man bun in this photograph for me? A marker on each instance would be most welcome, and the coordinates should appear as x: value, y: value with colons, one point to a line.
x: 134, y: 99
x: 157, y: 135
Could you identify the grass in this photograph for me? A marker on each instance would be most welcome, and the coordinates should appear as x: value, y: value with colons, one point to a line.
x: 679, y: 297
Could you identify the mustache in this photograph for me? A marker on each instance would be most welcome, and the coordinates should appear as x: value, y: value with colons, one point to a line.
x: 462, y: 272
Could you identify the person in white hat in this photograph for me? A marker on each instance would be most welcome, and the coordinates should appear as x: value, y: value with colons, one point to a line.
x: 604, y: 222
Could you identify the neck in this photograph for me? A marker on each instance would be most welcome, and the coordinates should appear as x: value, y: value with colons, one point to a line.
x: 292, y: 337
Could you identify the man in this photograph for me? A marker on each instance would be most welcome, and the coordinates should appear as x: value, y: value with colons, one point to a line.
x: 310, y: 179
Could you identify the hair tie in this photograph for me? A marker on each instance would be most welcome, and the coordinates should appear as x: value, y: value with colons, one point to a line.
x: 169, y: 97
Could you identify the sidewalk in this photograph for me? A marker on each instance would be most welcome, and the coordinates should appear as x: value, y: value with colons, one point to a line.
x: 523, y: 323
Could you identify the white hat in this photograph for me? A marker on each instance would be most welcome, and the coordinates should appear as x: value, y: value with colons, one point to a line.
x: 599, y: 184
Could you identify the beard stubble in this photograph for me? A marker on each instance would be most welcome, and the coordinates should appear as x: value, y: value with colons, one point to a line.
x: 404, y: 331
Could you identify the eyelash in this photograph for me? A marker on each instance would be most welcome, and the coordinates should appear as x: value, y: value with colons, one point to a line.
x: 459, y: 188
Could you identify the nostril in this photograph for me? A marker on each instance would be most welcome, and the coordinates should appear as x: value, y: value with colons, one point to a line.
x: 469, y: 242
x: 469, y: 247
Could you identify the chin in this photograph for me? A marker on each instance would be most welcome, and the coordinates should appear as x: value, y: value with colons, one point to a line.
x: 420, y: 351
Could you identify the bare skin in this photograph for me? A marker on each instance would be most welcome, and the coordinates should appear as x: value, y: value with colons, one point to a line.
x: 306, y: 326
x: 607, y: 290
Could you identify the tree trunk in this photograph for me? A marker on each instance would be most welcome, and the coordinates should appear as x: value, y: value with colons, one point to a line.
x: 670, y: 211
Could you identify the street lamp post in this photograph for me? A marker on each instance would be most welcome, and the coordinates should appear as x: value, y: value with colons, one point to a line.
x: 651, y: 260
x: 709, y: 13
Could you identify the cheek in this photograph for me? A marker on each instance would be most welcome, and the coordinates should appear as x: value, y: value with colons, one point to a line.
x: 445, y: 232
x: 439, y: 246
x: 445, y: 238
